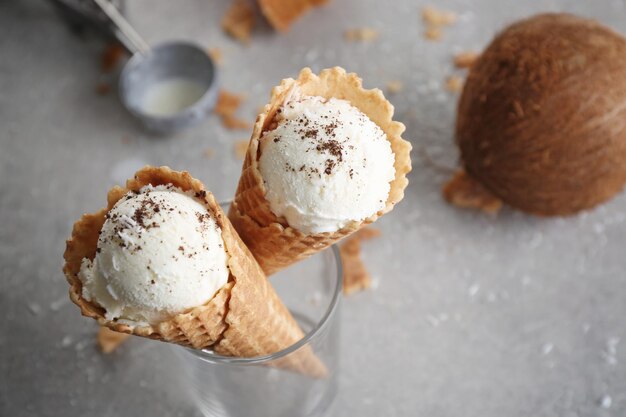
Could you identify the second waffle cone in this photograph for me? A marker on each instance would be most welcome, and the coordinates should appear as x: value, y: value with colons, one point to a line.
x: 271, y: 240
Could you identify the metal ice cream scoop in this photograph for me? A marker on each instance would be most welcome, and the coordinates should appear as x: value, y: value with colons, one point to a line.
x: 167, y: 87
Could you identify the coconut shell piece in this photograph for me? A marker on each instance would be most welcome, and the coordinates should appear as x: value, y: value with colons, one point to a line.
x: 541, y: 122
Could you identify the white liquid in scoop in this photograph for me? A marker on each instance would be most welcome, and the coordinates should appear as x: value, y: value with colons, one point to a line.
x: 171, y: 96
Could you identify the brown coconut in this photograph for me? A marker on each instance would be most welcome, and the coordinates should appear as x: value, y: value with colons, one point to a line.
x: 542, y: 118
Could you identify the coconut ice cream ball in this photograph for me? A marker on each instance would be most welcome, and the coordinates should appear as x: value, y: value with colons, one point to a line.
x: 325, y: 164
x: 159, y: 253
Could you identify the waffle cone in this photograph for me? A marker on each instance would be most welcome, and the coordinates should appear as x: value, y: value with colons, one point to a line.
x: 273, y: 243
x: 245, y: 318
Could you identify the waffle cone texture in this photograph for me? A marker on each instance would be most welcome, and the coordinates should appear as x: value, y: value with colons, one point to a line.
x: 271, y: 240
x: 245, y: 318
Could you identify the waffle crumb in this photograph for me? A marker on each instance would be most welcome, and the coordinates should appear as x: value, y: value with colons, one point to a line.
x: 208, y: 153
x: 227, y: 105
x: 233, y: 123
x: 239, y: 21
x: 111, y: 57
x: 454, y: 84
x: 435, y: 17
x: 464, y: 192
x: 368, y: 233
x: 432, y: 33
x: 465, y: 59
x: 355, y: 274
x: 109, y: 340
x: 216, y: 55
x: 364, y: 34
x: 394, y: 87
x: 103, y: 88
x: 281, y: 14
x: 241, y: 147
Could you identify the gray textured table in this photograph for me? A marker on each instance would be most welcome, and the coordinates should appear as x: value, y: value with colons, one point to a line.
x: 472, y: 316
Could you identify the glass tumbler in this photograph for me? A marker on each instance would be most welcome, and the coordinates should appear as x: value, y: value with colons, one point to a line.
x: 253, y: 387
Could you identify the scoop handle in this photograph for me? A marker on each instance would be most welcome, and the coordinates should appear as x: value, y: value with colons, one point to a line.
x: 136, y: 43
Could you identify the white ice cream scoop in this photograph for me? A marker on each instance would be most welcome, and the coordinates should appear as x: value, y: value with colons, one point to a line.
x: 159, y: 253
x: 325, y: 164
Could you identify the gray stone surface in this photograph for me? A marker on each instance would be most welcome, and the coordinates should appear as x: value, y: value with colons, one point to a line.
x: 472, y: 316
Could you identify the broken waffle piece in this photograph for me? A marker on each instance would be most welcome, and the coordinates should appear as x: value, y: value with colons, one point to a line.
x: 436, y: 17
x: 465, y: 59
x: 111, y: 57
x: 216, y: 55
x: 282, y: 13
x: 462, y: 191
x: 434, y: 20
x: 361, y: 34
x: 368, y: 233
x: 109, y: 340
x: 208, y: 153
x: 233, y: 123
x: 239, y: 21
x: 355, y: 274
x: 241, y: 147
x: 454, y: 84
x: 227, y: 105
x: 394, y: 87
x: 432, y: 33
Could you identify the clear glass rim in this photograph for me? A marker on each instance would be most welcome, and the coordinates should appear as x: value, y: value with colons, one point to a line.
x: 309, y: 337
